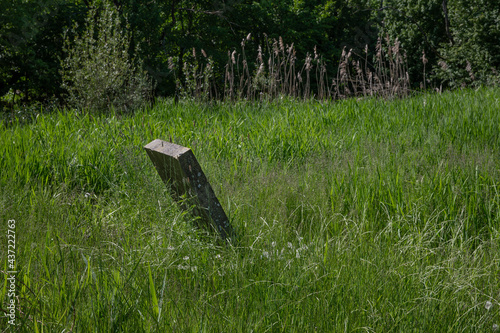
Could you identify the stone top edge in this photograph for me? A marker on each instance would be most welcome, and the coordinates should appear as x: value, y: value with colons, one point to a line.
x: 167, y: 148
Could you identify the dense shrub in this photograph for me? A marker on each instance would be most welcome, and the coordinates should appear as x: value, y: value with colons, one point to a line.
x: 98, y: 72
x: 472, y: 56
x: 455, y: 42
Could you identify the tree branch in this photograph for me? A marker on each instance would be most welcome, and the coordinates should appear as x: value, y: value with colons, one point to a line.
x: 208, y: 12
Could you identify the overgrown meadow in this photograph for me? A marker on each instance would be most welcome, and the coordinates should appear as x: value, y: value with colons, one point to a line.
x: 357, y: 215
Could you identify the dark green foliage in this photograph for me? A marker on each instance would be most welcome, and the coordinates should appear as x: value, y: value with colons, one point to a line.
x: 420, y: 27
x: 459, y: 38
x: 472, y: 56
x: 146, y: 25
x: 31, y: 44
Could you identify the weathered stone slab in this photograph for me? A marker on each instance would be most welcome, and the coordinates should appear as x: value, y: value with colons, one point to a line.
x: 181, y: 172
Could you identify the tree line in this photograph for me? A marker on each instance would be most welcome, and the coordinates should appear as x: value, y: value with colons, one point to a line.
x: 445, y: 44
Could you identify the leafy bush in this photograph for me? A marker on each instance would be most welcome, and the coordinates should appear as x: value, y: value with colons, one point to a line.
x: 472, y: 57
x: 98, y: 73
x: 419, y: 26
x: 459, y: 40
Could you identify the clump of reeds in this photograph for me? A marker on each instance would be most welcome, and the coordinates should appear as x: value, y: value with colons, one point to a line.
x: 275, y: 72
x: 387, y: 76
x: 196, y: 81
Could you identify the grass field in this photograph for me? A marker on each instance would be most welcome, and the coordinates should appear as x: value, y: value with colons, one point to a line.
x: 356, y: 216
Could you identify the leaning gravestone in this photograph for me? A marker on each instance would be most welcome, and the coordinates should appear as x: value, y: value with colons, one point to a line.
x: 181, y: 172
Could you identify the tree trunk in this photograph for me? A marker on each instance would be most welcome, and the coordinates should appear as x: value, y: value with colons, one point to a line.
x: 447, y: 21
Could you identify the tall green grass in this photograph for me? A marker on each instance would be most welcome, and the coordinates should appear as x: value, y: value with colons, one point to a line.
x: 355, y: 215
